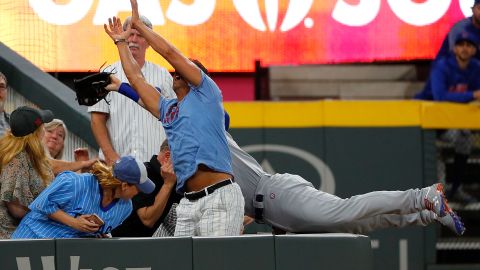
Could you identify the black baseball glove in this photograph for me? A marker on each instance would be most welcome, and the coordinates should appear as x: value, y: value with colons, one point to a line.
x: 91, y: 89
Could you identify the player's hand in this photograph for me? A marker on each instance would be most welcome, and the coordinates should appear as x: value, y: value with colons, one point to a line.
x: 84, y: 225
x: 114, y: 84
x: 115, y: 29
x: 167, y: 172
x: 247, y: 220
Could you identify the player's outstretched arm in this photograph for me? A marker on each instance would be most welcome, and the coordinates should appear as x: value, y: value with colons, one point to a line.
x: 149, y: 95
x: 182, y: 65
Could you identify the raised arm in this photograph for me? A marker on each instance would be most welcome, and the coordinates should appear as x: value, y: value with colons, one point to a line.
x: 149, y: 215
x: 182, y: 65
x: 150, y: 96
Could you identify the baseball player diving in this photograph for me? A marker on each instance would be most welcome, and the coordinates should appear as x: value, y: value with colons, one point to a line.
x: 299, y: 207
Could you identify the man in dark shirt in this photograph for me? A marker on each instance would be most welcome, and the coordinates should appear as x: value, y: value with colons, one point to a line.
x: 149, y: 210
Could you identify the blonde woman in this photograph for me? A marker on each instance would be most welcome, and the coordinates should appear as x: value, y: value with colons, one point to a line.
x: 54, y: 140
x: 24, y: 167
x: 86, y: 205
x: 55, y: 134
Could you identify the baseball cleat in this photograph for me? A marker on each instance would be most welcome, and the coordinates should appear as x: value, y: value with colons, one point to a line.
x: 453, y: 222
x: 435, y: 200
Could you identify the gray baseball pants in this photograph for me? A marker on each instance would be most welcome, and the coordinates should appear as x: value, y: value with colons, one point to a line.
x: 293, y: 204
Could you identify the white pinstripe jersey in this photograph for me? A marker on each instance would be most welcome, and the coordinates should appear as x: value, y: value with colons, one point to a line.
x: 132, y: 129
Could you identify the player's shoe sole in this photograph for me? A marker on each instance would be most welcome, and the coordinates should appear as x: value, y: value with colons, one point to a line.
x: 453, y: 222
x: 435, y: 200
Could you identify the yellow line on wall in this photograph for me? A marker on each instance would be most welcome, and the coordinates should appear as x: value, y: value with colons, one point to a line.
x: 372, y: 113
x: 450, y: 115
x: 335, y: 113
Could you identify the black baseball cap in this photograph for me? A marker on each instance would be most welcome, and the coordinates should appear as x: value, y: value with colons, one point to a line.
x: 25, y: 120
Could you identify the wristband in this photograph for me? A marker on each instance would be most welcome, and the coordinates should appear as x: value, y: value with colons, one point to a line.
x: 126, y: 90
x: 118, y: 40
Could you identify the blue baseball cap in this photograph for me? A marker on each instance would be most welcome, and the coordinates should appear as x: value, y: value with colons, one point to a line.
x: 128, y: 169
x: 467, y: 36
x: 476, y: 2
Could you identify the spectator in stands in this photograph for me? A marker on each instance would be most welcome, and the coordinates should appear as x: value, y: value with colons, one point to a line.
x: 470, y: 25
x: 150, y: 210
x: 456, y: 78
x: 86, y: 205
x: 4, y: 116
x: 54, y: 140
x: 120, y: 126
x: 24, y: 167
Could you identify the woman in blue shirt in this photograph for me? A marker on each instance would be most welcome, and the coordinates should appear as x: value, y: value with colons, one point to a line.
x: 69, y: 207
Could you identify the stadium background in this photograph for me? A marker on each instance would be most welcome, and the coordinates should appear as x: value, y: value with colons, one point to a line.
x: 367, y: 146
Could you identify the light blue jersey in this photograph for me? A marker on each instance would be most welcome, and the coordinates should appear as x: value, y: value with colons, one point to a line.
x: 195, y: 130
x: 75, y: 194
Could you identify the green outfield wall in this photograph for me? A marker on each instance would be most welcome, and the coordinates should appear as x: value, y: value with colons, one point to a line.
x: 254, y: 252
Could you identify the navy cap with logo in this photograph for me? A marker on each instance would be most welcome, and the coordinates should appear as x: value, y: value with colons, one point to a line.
x: 467, y: 36
x: 128, y: 169
x: 25, y: 120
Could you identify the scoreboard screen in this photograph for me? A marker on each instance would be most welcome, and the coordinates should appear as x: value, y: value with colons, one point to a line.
x: 229, y: 35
